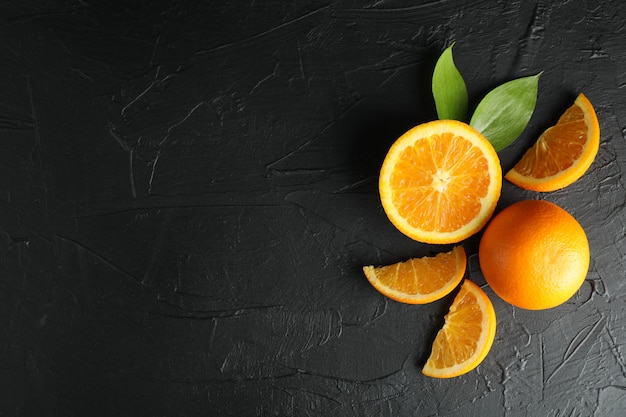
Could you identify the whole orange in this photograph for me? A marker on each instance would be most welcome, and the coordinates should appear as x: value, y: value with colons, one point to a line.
x: 534, y: 255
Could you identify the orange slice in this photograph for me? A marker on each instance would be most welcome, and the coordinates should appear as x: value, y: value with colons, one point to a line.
x: 440, y: 182
x: 563, y: 153
x: 419, y: 280
x: 466, y: 336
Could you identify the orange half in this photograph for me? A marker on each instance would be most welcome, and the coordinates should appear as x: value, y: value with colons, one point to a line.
x: 419, y: 280
x: 563, y: 153
x: 466, y: 336
x: 440, y: 182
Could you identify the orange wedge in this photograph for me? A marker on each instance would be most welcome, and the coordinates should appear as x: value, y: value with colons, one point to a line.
x: 440, y: 182
x: 419, y: 280
x: 563, y: 153
x: 466, y: 336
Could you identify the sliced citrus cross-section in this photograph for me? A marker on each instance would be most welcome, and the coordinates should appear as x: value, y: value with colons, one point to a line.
x: 563, y: 153
x: 440, y: 182
x: 466, y: 336
x: 419, y: 280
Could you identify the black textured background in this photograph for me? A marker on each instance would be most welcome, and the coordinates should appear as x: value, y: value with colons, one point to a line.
x: 188, y: 193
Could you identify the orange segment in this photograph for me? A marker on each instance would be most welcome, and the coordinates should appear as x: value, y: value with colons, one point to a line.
x: 466, y: 336
x: 440, y: 182
x: 419, y: 280
x: 563, y: 153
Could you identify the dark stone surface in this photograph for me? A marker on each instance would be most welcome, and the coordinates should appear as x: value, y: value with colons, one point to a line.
x: 188, y: 192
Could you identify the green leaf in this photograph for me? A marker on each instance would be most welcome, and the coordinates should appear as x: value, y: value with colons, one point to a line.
x: 449, y: 90
x: 505, y: 111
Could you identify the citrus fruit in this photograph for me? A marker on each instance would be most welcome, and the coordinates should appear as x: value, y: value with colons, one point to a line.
x: 419, y: 280
x: 534, y: 254
x: 466, y: 336
x: 440, y: 182
x: 563, y: 153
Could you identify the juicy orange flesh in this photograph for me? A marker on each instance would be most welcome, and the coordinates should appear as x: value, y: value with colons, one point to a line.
x: 457, y: 340
x: 446, y: 174
x: 404, y: 276
x: 552, y: 154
